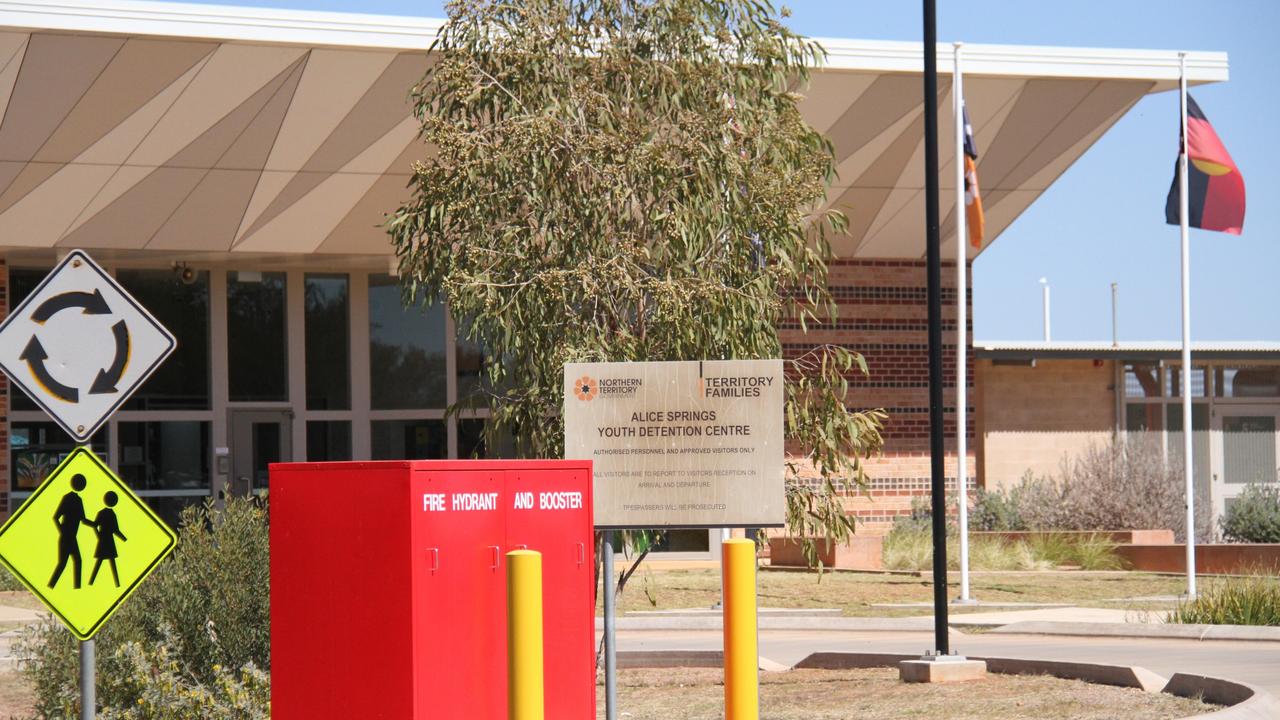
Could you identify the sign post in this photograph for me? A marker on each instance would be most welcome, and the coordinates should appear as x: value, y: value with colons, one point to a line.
x: 79, y: 346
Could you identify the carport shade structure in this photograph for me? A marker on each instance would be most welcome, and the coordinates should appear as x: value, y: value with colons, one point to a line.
x: 225, y: 133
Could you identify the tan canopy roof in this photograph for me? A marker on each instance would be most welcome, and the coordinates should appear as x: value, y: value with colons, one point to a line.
x: 214, y: 132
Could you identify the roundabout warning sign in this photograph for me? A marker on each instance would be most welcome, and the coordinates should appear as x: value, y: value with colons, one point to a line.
x: 80, y: 345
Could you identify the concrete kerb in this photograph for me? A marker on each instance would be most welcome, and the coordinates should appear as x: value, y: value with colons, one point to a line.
x: 1142, y: 630
x: 1243, y: 701
x: 712, y: 621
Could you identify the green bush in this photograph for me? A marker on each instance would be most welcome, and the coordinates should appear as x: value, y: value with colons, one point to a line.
x: 1255, y: 516
x: 1233, y: 601
x: 995, y: 510
x: 204, y: 611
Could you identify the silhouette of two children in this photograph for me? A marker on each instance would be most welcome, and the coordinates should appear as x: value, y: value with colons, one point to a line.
x: 69, y: 517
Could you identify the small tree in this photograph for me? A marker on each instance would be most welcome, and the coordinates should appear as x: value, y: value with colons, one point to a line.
x: 612, y: 180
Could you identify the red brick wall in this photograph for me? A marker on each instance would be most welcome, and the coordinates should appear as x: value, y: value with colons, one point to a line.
x: 883, y: 314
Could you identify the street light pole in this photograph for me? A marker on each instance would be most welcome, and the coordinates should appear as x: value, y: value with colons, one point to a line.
x: 1044, y: 284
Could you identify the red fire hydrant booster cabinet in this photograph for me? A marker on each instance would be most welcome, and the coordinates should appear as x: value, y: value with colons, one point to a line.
x: 388, y: 586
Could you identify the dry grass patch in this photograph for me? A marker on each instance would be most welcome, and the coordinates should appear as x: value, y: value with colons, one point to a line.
x: 855, y: 593
x: 17, y: 697
x: 876, y: 694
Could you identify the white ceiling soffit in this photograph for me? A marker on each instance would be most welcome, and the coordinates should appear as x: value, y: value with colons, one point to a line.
x: 141, y: 128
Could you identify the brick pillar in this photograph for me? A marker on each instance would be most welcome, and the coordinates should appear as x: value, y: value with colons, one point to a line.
x: 883, y: 315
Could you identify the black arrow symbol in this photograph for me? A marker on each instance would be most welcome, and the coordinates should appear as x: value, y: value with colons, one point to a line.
x: 35, y: 356
x: 107, y: 379
x: 91, y: 303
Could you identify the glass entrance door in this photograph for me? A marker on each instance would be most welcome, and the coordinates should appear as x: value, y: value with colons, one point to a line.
x: 1246, y: 450
x: 258, y: 438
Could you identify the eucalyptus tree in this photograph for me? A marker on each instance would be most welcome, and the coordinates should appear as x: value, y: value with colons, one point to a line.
x: 613, y: 180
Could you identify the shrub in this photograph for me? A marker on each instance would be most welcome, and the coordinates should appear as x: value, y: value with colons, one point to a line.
x: 910, y: 547
x: 1121, y: 485
x: 205, y: 609
x: 1091, y: 551
x: 1255, y: 516
x: 1233, y: 601
x: 165, y: 690
x: 996, y: 510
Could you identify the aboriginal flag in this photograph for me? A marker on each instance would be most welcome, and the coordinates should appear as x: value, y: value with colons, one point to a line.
x: 973, y: 218
x: 1215, y: 188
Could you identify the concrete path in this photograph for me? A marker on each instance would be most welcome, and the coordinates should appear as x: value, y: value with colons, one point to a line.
x: 1254, y: 662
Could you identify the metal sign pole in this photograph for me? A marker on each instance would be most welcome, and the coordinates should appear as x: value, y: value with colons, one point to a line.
x: 934, y: 272
x: 88, y: 681
x: 610, y: 639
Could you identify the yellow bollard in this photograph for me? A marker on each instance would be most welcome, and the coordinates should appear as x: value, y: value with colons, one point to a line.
x: 741, y: 649
x: 524, y: 635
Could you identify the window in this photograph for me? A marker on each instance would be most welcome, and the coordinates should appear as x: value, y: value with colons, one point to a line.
x: 165, y: 455
x: 257, y: 356
x: 182, y: 381
x: 328, y: 342
x: 1173, y: 381
x: 406, y: 350
x: 21, y: 282
x: 409, y: 440
x: 328, y: 440
x: 1142, y: 380
x: 36, y: 448
x: 1247, y: 382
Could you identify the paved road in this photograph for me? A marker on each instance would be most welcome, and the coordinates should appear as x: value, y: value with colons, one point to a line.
x: 1257, y: 663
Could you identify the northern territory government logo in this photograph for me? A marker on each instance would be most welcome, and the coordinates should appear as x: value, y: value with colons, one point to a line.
x: 587, y: 388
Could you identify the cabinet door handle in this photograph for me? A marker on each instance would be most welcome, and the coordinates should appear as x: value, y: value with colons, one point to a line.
x: 582, y: 553
x: 435, y: 559
x: 496, y: 554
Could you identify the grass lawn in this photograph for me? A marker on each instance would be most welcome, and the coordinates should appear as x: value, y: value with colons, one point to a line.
x: 855, y: 593
x: 876, y: 694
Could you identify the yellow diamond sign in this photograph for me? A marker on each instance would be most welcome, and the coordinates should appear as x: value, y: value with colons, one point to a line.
x: 83, y: 541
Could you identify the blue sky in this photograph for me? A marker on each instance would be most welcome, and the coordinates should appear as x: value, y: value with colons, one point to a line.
x: 1103, y: 220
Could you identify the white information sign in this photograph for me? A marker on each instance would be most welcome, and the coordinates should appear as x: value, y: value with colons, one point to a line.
x: 80, y: 345
x: 679, y: 444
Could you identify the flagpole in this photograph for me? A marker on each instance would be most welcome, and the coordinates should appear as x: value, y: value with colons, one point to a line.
x: 1184, y: 215
x: 962, y: 333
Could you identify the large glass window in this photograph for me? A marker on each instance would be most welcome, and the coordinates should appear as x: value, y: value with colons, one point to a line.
x: 1173, y: 381
x: 409, y: 440
x: 257, y: 352
x: 328, y: 440
x: 182, y: 381
x: 21, y: 282
x: 406, y: 350
x: 1247, y: 382
x: 167, y: 455
x: 328, y: 342
x: 1142, y: 380
x: 36, y: 448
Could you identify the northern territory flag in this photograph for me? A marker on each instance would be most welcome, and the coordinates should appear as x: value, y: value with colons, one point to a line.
x: 1215, y: 188
x: 973, y: 217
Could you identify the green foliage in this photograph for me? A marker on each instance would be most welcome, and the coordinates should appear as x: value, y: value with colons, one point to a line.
x: 1254, y: 517
x: 165, y: 691
x: 1253, y: 600
x: 995, y: 510
x: 1088, y: 551
x: 909, y: 546
x: 629, y: 181
x: 203, y: 611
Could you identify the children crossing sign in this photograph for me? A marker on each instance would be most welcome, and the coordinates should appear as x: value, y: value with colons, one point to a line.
x: 83, y: 542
